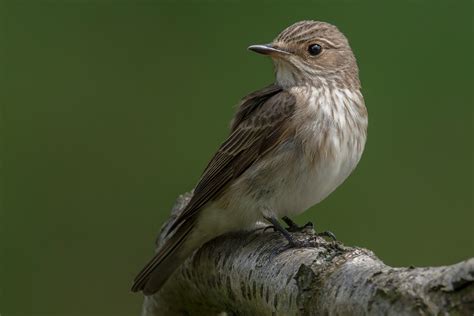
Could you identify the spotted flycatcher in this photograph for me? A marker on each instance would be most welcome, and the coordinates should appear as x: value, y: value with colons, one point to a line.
x: 291, y: 144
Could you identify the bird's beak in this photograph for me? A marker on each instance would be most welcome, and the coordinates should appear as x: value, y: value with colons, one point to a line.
x: 268, y: 49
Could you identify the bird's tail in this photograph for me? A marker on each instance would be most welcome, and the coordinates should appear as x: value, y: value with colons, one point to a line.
x: 167, y: 259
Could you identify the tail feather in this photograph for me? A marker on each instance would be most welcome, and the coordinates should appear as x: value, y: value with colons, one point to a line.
x: 168, y: 258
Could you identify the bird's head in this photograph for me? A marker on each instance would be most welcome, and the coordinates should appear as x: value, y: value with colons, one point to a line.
x: 311, y: 52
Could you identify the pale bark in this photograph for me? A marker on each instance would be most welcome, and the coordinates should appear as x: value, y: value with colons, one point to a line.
x: 256, y: 273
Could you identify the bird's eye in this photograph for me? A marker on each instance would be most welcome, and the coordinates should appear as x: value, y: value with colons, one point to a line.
x: 315, y: 49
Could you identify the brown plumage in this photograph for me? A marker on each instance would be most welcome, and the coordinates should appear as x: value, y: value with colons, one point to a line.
x: 291, y: 144
x: 257, y: 128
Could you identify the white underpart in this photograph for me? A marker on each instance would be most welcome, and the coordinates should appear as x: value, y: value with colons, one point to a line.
x: 308, y: 182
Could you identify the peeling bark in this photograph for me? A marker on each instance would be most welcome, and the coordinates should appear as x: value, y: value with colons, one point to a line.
x: 256, y: 273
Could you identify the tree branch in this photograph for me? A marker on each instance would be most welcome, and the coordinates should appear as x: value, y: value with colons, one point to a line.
x: 256, y: 273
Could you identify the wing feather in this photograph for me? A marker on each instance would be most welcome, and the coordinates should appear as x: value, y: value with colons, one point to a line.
x: 259, y: 125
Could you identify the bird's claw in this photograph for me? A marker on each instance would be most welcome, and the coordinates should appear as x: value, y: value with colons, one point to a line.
x: 268, y: 227
x: 327, y: 234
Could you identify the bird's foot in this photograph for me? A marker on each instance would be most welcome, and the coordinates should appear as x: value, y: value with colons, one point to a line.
x: 292, y: 242
x: 293, y: 227
x: 328, y: 234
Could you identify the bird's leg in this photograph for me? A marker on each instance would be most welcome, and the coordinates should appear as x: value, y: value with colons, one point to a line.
x: 293, y: 227
x: 291, y: 224
x: 283, y: 231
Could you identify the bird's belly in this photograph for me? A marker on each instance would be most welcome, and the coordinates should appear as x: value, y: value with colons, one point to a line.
x: 318, y: 183
x: 311, y: 182
x: 289, y: 183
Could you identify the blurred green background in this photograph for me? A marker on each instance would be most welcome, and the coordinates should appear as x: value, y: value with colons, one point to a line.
x: 110, y: 109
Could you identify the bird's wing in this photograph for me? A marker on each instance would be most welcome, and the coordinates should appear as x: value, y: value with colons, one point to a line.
x: 258, y: 126
x: 251, y: 102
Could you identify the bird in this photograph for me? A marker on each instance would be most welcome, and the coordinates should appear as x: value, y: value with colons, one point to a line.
x: 290, y: 145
